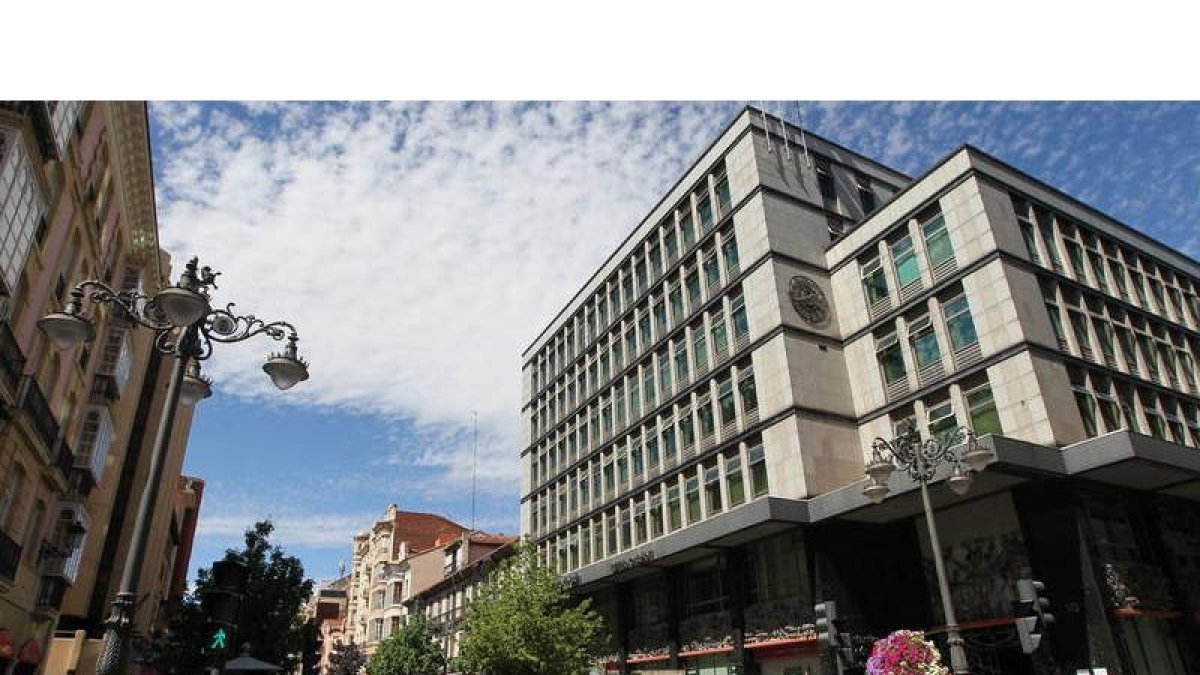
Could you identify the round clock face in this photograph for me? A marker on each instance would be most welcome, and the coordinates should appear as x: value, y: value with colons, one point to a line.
x: 808, y: 300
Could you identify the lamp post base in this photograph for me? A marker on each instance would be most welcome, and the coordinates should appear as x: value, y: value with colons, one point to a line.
x: 114, y: 651
x: 958, y: 655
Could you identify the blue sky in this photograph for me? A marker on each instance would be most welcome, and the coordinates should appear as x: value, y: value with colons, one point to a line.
x: 420, y: 247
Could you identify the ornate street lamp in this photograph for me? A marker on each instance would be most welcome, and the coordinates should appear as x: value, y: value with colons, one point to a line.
x: 186, y: 328
x: 920, y: 459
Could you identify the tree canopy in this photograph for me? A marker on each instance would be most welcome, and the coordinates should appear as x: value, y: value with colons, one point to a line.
x: 524, y: 622
x: 346, y: 659
x: 412, y: 650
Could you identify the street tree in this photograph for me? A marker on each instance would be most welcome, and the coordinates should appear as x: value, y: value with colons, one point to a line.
x: 524, y: 622
x: 412, y: 650
x: 346, y: 659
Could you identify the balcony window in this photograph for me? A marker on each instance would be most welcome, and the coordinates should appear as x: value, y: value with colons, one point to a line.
x: 937, y: 241
x: 959, y: 325
x: 22, y: 209
x: 874, y: 281
x: 904, y: 259
x: 95, y: 436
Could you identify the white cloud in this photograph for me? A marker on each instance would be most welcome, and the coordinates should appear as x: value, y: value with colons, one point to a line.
x: 417, y: 248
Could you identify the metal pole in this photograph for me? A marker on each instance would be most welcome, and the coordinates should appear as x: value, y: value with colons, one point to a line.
x: 114, y: 652
x: 958, y: 657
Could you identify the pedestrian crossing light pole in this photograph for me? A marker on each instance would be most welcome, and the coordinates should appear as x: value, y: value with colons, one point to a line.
x: 186, y: 328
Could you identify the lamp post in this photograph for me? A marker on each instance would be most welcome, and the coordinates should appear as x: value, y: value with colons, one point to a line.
x: 186, y: 327
x: 920, y: 459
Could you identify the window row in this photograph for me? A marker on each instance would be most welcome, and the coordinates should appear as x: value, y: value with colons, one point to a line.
x: 1107, y: 404
x: 703, y: 491
x: 683, y: 351
x: 689, y: 223
x: 1087, y: 325
x: 721, y: 406
x: 969, y: 403
x: 1103, y: 264
x: 22, y: 208
x: 892, y: 274
x: 912, y: 353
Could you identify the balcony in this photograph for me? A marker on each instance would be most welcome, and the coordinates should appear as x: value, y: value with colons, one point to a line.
x: 105, y: 390
x: 64, y: 460
x: 12, y: 361
x: 10, y: 557
x: 39, y: 117
x: 34, y: 403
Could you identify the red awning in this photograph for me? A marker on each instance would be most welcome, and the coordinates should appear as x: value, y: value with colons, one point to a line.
x: 30, y: 653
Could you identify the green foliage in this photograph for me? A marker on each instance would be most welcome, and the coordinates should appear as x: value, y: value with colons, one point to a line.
x: 269, y: 618
x: 524, y: 622
x: 412, y: 650
x: 346, y: 659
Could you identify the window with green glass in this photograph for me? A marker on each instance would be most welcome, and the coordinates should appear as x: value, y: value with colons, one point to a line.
x: 648, y: 385
x: 1104, y: 335
x: 638, y: 459
x: 687, y: 432
x: 924, y: 342
x: 874, y: 281
x: 681, y: 361
x: 725, y: 402
x: 668, y: 440
x: 937, y: 240
x: 687, y: 233
x: 981, y: 406
x: 891, y: 360
x: 720, y: 338
x: 942, y: 421
x: 959, y: 324
x: 722, y: 192
x: 748, y: 391
x: 734, y: 484
x: 639, y: 273
x: 692, y: 284
x: 1087, y: 410
x: 627, y: 286
x: 676, y: 297
x: 644, y: 328
x: 904, y: 259
x: 757, y: 461
x: 626, y: 530
x: 664, y: 372
x: 656, y: 264
x: 656, y: 515
x: 585, y: 497
x: 671, y: 244
x: 639, y: 521
x: 674, y: 512
x: 660, y: 319
x: 622, y: 469
x: 635, y: 397
x: 712, y: 271
x: 1098, y: 270
x: 737, y: 312
x: 1030, y: 241
x: 692, y: 499
x: 1056, y: 322
x: 705, y: 416
x: 729, y: 251
x: 699, y: 347
x: 705, y: 212
x: 1048, y: 240
x: 712, y: 488
x: 610, y: 485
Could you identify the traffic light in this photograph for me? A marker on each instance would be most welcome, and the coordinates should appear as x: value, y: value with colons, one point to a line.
x: 1032, y: 613
x: 222, y: 603
x: 827, y: 632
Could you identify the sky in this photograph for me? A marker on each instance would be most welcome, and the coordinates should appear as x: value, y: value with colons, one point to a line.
x: 420, y: 247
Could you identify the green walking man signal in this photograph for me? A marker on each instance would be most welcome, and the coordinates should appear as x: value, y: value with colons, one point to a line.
x: 218, y: 639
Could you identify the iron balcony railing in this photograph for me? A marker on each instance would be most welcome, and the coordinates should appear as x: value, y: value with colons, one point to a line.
x: 12, y: 361
x: 10, y: 557
x: 33, y: 402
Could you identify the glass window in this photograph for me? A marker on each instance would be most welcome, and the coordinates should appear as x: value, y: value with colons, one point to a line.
x: 941, y: 420
x: 924, y: 342
x: 1087, y: 410
x: 722, y: 192
x: 639, y: 272
x: 1079, y: 325
x: 687, y: 232
x: 937, y: 240
x: 725, y: 400
x: 652, y: 450
x: 730, y: 252
x: 904, y: 259
x: 705, y: 415
x: 668, y: 439
x: 687, y: 432
x: 676, y: 298
x: 705, y: 212
x: 671, y: 244
x: 737, y: 312
x: 733, y: 480
x: 622, y: 469
x: 644, y: 329
x: 712, y: 271
x: 982, y: 409
x: 825, y: 181
x: 699, y: 347
x: 692, y: 284
x: 656, y: 267
x: 959, y: 325
x: 712, y: 488
x: 720, y: 338
x: 748, y: 392
x: 1048, y: 240
x: 639, y: 521
x: 757, y: 460
x: 664, y: 372
x: 874, y: 281
x: 674, y: 511
x: 638, y: 459
x: 1075, y: 253
x: 681, y: 361
x: 1030, y: 241
x: 660, y: 319
x: 891, y: 360
x: 656, y: 515
x: 648, y: 384
x: 692, y: 499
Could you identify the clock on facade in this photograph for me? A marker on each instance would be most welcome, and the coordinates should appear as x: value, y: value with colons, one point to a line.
x: 808, y: 300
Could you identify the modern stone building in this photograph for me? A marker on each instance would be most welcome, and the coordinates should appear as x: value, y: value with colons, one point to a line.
x: 76, y: 202
x: 697, y: 416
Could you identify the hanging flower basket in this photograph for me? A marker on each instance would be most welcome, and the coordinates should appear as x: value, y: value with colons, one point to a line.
x: 905, y: 652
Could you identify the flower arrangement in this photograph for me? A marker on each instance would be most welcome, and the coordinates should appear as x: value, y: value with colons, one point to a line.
x: 905, y: 652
